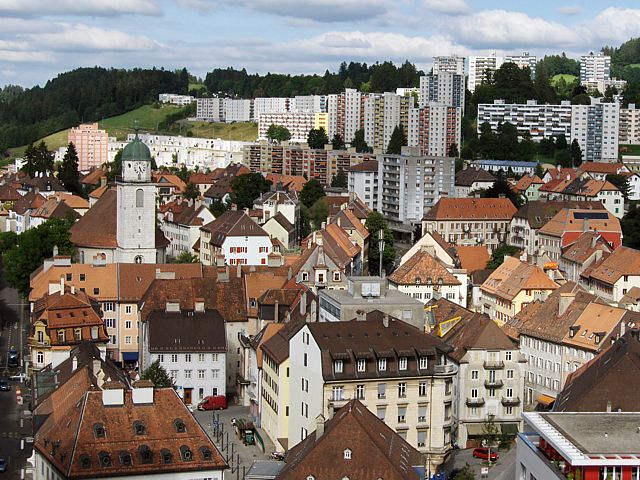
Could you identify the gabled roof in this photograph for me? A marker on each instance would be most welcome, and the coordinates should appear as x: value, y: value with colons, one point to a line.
x: 476, y: 332
x: 468, y: 176
x: 28, y: 202
x: 54, y: 208
x: 186, y: 331
x: 612, y: 376
x: 513, y: 276
x: 233, y: 223
x: 9, y: 193
x: 279, y: 197
x: 292, y: 183
x: 183, y: 213
x: 597, y: 322
x: 473, y: 257
x: 584, y: 247
x: 376, y: 451
x: 169, y: 179
x: 46, y: 183
x: 423, y: 268
x: 94, y: 176
x: 284, y: 223
x: 601, y: 167
x: 201, y: 178
x: 539, y: 212
x: 347, y: 219
x: 588, y: 187
x: 622, y: 261
x: 580, y: 220
x: 560, y: 173
x: 471, y: 209
x: 365, y: 166
x: 526, y: 181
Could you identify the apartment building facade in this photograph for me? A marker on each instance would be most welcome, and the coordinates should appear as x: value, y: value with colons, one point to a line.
x: 447, y: 88
x: 363, y: 181
x: 449, y: 63
x: 596, y: 127
x: 382, y: 114
x: 629, y: 125
x: 92, y: 145
x: 297, y: 123
x: 594, y: 67
x: 480, y: 67
x: 434, y: 129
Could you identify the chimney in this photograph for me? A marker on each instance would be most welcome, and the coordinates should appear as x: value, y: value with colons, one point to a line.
x: 594, y: 239
x: 565, y: 300
x: 73, y: 290
x: 142, y: 392
x: 96, y: 366
x: 303, y: 303
x: 239, y: 271
x: 319, y: 426
x: 199, y: 305
x: 276, y: 308
x: 585, y: 225
x: 61, y: 284
x: 112, y: 394
x: 608, y: 406
x: 55, y: 251
x: 385, y: 320
x: 74, y: 364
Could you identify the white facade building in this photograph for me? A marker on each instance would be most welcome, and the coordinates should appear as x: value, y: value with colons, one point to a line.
x: 443, y: 87
x: 363, y: 181
x: 449, y: 63
x: 270, y: 105
x: 629, y: 125
x: 211, y: 109
x: 596, y: 127
x: 237, y: 110
x: 174, y: 99
x: 309, y: 104
x: 297, y: 123
x: 595, y: 67
x: 434, y: 128
x: 523, y: 61
x: 479, y: 66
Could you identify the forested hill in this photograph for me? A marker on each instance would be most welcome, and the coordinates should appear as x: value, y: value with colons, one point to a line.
x: 377, y: 77
x: 85, y: 94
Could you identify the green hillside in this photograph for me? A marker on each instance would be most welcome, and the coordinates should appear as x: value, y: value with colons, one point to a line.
x: 567, y: 78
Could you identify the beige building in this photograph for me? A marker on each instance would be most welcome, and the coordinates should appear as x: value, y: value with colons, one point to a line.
x: 92, y: 145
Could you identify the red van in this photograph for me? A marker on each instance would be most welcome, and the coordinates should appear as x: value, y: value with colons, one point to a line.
x: 213, y: 402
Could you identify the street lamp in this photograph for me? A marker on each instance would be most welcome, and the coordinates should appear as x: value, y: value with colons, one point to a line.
x: 380, y: 248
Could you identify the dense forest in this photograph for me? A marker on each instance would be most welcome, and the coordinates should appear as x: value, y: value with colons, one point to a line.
x: 625, y: 60
x: 85, y: 94
x: 378, y: 77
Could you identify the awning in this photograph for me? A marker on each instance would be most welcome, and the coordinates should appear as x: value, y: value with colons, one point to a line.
x: 474, y: 429
x: 509, y: 428
x: 129, y: 356
x: 545, y: 400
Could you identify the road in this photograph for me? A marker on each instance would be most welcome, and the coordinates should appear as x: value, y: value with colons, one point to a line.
x: 503, y: 469
x: 12, y: 333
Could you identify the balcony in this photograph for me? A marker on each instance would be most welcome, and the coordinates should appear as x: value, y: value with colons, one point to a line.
x: 493, y: 383
x: 448, y: 369
x: 493, y: 365
x: 475, y: 402
x: 510, y: 401
x: 337, y: 402
x: 35, y: 343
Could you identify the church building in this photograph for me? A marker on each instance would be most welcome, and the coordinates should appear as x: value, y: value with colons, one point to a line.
x: 121, y: 225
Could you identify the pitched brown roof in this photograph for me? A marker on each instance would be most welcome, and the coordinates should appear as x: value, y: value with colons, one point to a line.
x: 423, y: 268
x: 366, y: 166
x: 233, y: 223
x: 513, y: 275
x: 441, y: 310
x: 584, y: 247
x: 473, y: 257
x: 622, y: 261
x: 277, y: 346
x: 539, y: 212
x: 612, y: 376
x: 27, y: 202
x: 289, y: 182
x: 9, y: 193
x: 600, y: 167
x: 471, y: 209
x: 284, y: 223
x: 526, y: 181
x: 94, y: 177
x: 580, y: 220
x: 376, y: 450
x: 67, y: 438
x: 183, y: 213
x: 468, y: 176
x: 347, y: 219
x: 186, y: 331
x: 55, y: 208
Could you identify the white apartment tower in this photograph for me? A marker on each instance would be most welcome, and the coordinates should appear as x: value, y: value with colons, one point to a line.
x: 596, y: 128
x: 480, y: 66
x: 594, y: 67
x: 523, y: 61
x: 446, y: 88
x: 382, y: 114
x: 449, y: 63
x: 630, y: 125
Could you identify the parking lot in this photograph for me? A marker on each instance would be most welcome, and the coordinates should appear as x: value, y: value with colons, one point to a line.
x: 239, y: 456
x: 503, y: 469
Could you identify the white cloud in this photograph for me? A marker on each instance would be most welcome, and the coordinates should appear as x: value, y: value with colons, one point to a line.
x: 317, y: 10
x: 81, y: 37
x: 33, y: 8
x: 615, y: 24
x: 454, y: 7
x: 504, y: 29
x: 569, y: 10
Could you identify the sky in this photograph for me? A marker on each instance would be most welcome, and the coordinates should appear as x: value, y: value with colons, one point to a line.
x: 41, y: 38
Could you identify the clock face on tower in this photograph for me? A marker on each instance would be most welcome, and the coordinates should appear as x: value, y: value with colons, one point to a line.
x: 139, y: 167
x: 136, y: 171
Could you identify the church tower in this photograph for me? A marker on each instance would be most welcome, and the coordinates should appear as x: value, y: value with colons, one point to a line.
x: 136, y: 206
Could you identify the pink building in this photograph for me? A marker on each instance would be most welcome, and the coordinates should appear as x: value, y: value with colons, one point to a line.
x: 92, y: 145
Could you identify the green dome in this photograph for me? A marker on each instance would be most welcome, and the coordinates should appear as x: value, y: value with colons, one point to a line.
x: 136, y: 150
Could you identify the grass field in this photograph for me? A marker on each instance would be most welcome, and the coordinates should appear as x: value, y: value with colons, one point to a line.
x: 148, y: 119
x: 197, y: 86
x: 629, y: 149
x: 635, y: 65
x: 567, y: 78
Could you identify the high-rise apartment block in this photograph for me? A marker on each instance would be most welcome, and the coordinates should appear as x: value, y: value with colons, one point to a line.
x: 383, y: 112
x: 224, y: 110
x: 309, y: 104
x: 630, y: 125
x: 595, y: 67
x: 297, y: 123
x: 446, y: 88
x: 346, y: 113
x: 270, y: 105
x: 523, y: 61
x: 449, y: 63
x: 596, y: 128
x: 481, y: 69
x: 435, y: 128
x: 531, y: 119
x: 92, y: 145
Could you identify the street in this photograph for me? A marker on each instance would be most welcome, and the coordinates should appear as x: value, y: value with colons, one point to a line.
x: 11, y: 334
x: 503, y: 469
x: 243, y: 456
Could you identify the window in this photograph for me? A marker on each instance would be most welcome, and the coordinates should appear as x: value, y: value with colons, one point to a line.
x: 304, y: 359
x: 214, y: 357
x: 40, y: 358
x: 187, y: 374
x: 138, y: 428
x: 174, y: 358
x: 508, y: 355
x: 338, y: 393
x: 336, y: 276
x: 402, y: 364
x: 382, y: 390
x: 200, y: 357
x: 422, y: 438
x: 61, y: 336
x: 510, y: 373
x: 474, y: 393
x: 508, y: 410
x: 127, y: 339
x: 161, y: 358
x: 109, y: 307
x: 215, y: 374
x: 402, y: 414
x: 474, y: 374
x: 139, y: 198
x: 422, y: 413
x: 382, y: 364
x: 380, y: 412
x: 360, y: 392
x: 422, y: 389
x: 201, y: 374
x: 83, y: 277
x: 337, y: 366
x: 362, y: 365
x: 77, y: 334
x: 347, y: 454
x: 110, y: 322
x: 96, y: 291
x: 127, y: 309
x: 179, y: 425
x: 127, y: 324
x: 509, y: 392
x: 187, y: 357
x: 402, y: 390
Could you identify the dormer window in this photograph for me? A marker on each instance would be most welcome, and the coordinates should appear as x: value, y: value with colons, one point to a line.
x: 99, y: 431
x: 138, y: 428
x: 362, y: 365
x: 125, y: 459
x: 429, y: 281
x: 205, y: 453
x: 61, y: 336
x: 146, y: 456
x: 402, y: 363
x: 305, y: 276
x: 166, y: 456
x: 105, y: 459
x: 77, y: 334
x: 418, y: 281
x: 179, y: 425
x: 424, y: 363
x: 185, y: 453
x: 338, y: 366
x: 85, y: 461
x: 347, y: 454
x: 382, y: 364
x: 336, y: 276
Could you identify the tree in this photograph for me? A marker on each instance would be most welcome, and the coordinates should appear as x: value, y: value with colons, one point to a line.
x: 38, y: 159
x: 8, y: 240
x: 337, y: 143
x: 311, y: 193
x: 278, y: 133
x: 576, y: 153
x: 539, y: 171
x: 563, y: 158
x: 317, y: 138
x: 359, y: 142
x: 305, y: 222
x: 158, y: 375
x: 561, y: 142
x: 191, y: 191
x: 497, y: 257
x: 33, y: 247
x: 502, y: 187
x: 487, y: 141
x: 340, y: 180
x: 319, y: 214
x: 114, y: 168
x: 396, y: 142
x: 467, y: 153
x: 187, y: 257
x: 68, y: 173
x: 374, y: 223
x: 466, y: 473
x: 245, y: 189
x: 621, y: 183
x: 217, y: 208
x: 489, y: 433
x: 453, y: 151
x: 631, y: 227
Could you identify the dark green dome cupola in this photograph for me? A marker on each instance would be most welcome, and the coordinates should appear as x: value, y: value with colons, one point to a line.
x: 136, y: 151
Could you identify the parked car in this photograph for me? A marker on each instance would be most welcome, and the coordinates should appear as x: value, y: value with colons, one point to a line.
x: 14, y: 357
x: 4, y: 386
x: 3, y: 465
x: 213, y: 402
x: 483, y: 453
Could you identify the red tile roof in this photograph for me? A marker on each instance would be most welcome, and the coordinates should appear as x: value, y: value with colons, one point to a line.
x: 471, y: 209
